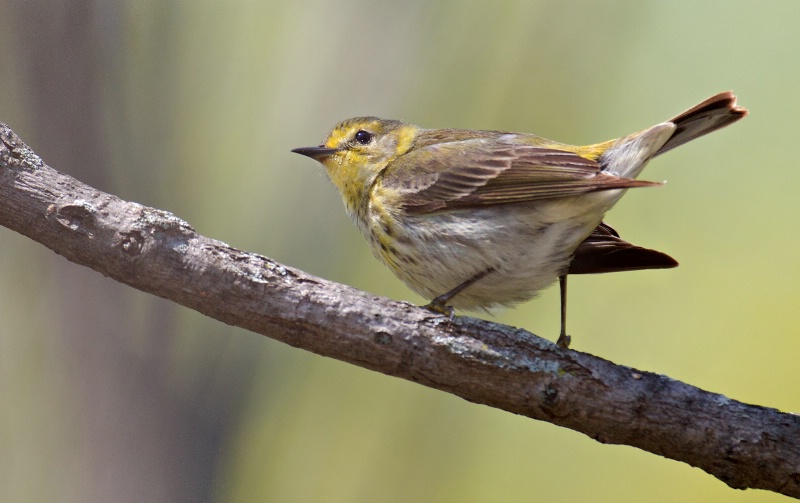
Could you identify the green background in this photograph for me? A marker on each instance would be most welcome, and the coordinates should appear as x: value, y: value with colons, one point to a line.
x: 109, y: 394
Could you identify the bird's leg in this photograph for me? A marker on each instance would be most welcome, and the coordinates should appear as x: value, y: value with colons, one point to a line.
x: 563, y: 338
x: 439, y: 304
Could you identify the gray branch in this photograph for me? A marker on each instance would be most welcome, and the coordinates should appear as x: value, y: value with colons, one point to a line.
x: 745, y: 446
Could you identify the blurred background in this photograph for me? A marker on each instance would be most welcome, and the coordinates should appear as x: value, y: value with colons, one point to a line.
x: 109, y: 394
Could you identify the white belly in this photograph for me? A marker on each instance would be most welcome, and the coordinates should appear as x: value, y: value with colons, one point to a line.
x: 526, y: 246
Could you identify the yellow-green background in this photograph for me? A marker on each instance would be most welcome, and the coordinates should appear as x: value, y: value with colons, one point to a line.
x: 108, y: 394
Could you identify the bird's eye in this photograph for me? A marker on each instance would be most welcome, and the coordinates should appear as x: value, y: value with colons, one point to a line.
x: 363, y: 137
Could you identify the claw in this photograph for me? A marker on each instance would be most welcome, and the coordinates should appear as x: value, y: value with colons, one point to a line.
x: 439, y: 307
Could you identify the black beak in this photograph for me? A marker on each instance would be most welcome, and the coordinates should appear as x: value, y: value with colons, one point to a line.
x: 316, y: 153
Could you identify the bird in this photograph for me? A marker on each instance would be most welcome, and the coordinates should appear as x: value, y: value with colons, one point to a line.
x: 480, y: 219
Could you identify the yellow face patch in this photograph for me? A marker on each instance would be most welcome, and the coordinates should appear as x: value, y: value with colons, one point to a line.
x: 365, y: 145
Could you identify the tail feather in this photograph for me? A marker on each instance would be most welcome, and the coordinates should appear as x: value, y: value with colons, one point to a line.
x: 604, y: 250
x: 712, y: 114
x: 627, y: 156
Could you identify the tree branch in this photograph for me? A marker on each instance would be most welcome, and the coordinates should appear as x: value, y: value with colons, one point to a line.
x: 743, y: 445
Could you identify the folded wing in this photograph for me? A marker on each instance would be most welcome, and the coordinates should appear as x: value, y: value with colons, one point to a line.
x: 484, y: 172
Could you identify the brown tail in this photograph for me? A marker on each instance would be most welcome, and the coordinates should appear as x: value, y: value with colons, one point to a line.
x: 710, y: 115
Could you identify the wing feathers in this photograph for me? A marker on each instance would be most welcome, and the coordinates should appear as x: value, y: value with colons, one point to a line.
x: 483, y: 172
x: 604, y: 251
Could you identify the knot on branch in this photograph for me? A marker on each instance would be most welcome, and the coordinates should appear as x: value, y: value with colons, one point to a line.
x: 77, y: 216
x: 132, y: 242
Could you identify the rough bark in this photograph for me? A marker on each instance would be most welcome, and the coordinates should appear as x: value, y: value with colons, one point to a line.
x: 745, y: 446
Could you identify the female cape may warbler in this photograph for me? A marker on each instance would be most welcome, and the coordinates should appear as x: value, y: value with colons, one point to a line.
x: 479, y: 219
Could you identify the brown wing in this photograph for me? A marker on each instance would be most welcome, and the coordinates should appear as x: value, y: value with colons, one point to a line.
x: 605, y: 251
x: 483, y: 172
